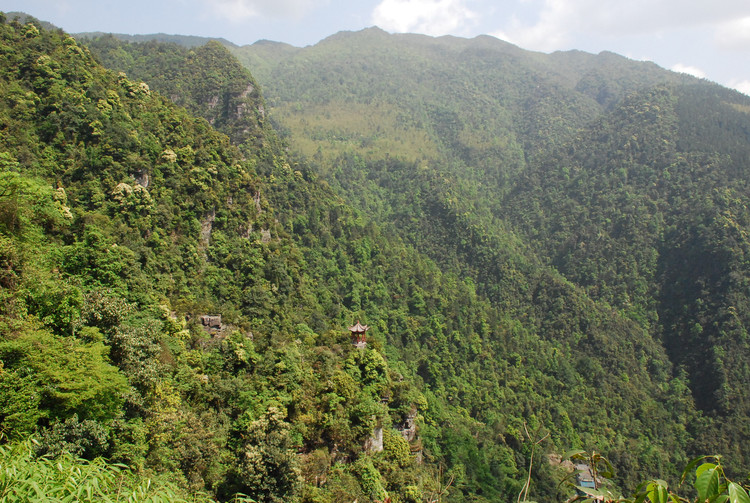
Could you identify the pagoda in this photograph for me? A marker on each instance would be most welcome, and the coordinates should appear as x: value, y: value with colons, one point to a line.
x: 358, y: 334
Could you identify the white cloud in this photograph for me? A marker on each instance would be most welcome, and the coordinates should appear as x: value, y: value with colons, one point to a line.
x: 690, y: 70
x: 560, y: 22
x: 241, y: 10
x: 742, y: 86
x: 734, y: 34
x: 235, y: 10
x: 552, y: 30
x: 431, y: 17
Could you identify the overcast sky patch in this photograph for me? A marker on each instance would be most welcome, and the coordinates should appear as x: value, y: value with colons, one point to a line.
x: 742, y: 86
x: 734, y: 34
x: 690, y: 70
x: 431, y: 17
x: 559, y: 24
x: 241, y: 10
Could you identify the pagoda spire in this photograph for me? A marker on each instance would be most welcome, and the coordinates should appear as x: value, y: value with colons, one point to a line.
x: 359, y: 334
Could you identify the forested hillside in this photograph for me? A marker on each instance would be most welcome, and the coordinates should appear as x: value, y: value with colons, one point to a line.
x: 128, y: 228
x: 177, y: 282
x: 655, y: 224
x: 547, y: 344
x: 628, y: 180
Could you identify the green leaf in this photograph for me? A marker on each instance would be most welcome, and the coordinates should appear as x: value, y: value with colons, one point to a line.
x: 574, y: 454
x: 657, y: 492
x: 737, y: 494
x: 702, y: 468
x: 597, y: 494
x: 707, y: 482
x: 609, y: 471
x: 691, y: 466
x: 662, y: 495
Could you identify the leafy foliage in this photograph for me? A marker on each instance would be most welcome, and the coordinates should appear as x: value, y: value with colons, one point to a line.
x: 68, y: 478
x: 615, y: 174
x: 710, y: 483
x: 516, y: 233
x: 156, y: 221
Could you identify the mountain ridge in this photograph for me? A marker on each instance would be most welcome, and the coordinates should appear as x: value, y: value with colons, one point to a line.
x: 509, y: 269
x: 637, y: 118
x: 185, y: 40
x: 510, y: 301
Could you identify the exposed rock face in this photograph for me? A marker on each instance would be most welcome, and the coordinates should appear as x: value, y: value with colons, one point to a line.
x: 265, y: 236
x: 249, y: 89
x: 245, y: 232
x: 408, y: 428
x: 207, y: 227
x: 375, y: 442
x: 360, y: 344
x: 241, y: 109
x: 256, y: 198
x: 142, y: 178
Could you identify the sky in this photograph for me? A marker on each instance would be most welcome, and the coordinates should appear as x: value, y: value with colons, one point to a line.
x: 706, y: 38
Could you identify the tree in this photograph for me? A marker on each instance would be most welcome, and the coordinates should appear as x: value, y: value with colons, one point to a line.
x: 269, y: 470
x: 71, y: 376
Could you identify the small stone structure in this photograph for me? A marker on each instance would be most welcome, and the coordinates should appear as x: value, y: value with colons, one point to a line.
x: 211, y: 323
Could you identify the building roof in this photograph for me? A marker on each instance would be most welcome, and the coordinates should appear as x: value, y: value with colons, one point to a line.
x: 584, y: 477
x: 358, y: 328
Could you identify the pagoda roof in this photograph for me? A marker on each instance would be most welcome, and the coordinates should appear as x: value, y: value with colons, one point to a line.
x: 359, y: 328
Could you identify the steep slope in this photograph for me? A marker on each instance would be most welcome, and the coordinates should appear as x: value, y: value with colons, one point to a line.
x: 126, y: 222
x: 514, y: 343
x: 655, y: 224
x: 627, y: 179
x: 205, y: 79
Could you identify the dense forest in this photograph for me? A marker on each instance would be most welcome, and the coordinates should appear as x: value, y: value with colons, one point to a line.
x: 627, y: 180
x: 548, y: 249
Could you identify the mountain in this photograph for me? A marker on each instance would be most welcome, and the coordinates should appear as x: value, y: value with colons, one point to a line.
x: 542, y: 330
x: 177, y: 298
x: 462, y: 97
x: 157, y: 312
x: 206, y: 80
x: 183, y: 40
x: 24, y: 18
x: 626, y: 179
